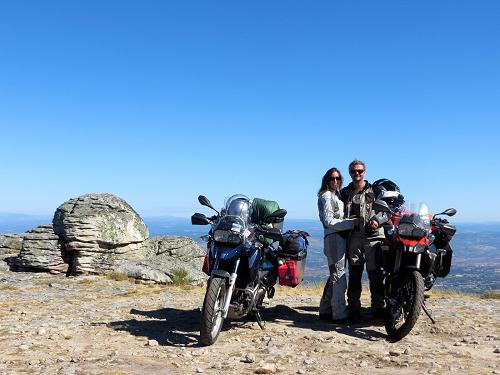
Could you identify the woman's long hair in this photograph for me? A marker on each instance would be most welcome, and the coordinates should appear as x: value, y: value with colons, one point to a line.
x: 324, y: 182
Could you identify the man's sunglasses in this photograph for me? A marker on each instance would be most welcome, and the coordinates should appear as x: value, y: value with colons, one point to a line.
x: 360, y: 171
x: 335, y: 179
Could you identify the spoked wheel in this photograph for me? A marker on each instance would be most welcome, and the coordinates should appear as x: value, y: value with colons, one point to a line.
x: 402, y: 311
x: 212, y: 313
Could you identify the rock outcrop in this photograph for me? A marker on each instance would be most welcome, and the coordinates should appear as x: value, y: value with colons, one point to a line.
x: 11, y: 243
x: 41, y: 251
x: 168, y: 258
x: 99, y: 232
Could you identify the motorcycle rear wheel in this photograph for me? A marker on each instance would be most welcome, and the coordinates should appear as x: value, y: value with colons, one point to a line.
x: 402, y: 315
x: 212, y: 312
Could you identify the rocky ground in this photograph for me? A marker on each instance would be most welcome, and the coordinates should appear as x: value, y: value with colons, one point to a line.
x: 93, y: 325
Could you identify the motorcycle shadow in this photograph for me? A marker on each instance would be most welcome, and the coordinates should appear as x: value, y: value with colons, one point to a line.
x: 168, y: 326
x: 306, y: 317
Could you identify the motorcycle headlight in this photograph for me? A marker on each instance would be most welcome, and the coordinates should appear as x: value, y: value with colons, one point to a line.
x: 226, y: 236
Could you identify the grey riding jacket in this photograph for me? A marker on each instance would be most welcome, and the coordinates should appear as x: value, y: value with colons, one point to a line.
x: 331, y: 213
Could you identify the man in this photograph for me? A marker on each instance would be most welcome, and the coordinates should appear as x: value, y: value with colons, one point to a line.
x: 363, y: 241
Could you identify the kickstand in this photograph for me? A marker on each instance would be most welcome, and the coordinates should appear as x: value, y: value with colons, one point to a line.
x: 428, y: 314
x: 260, y: 322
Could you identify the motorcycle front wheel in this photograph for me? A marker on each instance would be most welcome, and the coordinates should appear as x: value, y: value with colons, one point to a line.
x: 403, y: 310
x: 212, y: 314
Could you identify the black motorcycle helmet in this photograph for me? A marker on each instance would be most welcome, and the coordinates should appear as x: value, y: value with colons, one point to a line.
x: 388, y: 191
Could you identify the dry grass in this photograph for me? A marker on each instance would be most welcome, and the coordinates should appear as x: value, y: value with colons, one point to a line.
x: 451, y: 292
x: 4, y: 332
x: 8, y: 287
x: 492, y: 294
x: 310, y: 289
x: 117, y: 276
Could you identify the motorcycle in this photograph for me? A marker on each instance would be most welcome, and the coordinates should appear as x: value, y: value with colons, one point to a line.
x: 415, y: 252
x: 242, y: 263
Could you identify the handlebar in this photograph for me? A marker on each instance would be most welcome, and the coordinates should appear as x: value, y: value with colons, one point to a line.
x: 272, y: 233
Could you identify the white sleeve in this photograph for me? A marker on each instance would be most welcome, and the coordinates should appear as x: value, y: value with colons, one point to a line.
x: 328, y: 217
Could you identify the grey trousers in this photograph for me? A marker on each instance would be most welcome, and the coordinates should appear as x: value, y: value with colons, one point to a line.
x: 333, y: 299
x: 360, y: 251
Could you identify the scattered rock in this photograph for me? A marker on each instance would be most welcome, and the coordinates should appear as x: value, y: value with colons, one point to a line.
x: 249, y: 358
x: 41, y: 250
x: 268, y: 368
x: 152, y: 343
x: 11, y: 243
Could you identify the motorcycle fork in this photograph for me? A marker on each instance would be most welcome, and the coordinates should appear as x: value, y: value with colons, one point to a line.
x: 230, y: 289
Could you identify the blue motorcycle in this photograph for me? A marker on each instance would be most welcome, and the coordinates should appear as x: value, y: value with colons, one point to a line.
x: 241, y: 262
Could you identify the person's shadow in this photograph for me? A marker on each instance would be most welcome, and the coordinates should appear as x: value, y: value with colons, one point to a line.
x: 307, y: 317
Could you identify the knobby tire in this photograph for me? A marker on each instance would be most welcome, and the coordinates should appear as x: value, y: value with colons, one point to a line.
x: 211, y: 314
x: 410, y: 301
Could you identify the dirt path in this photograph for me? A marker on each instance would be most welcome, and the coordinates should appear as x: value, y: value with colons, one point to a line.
x: 92, y: 325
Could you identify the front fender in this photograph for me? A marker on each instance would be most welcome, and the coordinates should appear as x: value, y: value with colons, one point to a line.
x: 220, y: 273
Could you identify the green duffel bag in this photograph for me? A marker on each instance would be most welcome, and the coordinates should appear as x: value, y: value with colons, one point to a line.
x: 260, y: 209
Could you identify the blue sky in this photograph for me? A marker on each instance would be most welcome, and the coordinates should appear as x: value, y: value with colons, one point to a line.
x: 158, y: 102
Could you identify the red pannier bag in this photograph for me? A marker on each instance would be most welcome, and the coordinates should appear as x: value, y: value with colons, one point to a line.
x: 291, y: 272
x: 293, y: 250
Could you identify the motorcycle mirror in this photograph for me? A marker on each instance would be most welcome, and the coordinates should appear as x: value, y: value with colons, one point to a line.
x: 380, y: 205
x: 205, y: 202
x: 276, y: 216
x: 449, y: 212
x: 199, y: 219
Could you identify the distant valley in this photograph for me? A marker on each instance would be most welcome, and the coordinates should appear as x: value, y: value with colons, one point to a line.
x: 476, y: 257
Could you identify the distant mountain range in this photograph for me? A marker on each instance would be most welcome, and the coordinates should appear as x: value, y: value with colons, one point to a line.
x: 476, y: 257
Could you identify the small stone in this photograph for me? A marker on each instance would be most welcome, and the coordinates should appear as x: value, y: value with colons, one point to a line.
x: 309, y: 361
x: 41, y: 331
x: 268, y: 368
x: 394, y: 354
x: 24, y: 347
x: 199, y: 370
x: 496, y: 351
x: 301, y: 371
x: 407, y: 351
x: 152, y: 343
x: 249, y: 358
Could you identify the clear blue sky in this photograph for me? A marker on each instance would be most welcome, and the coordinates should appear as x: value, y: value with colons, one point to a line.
x: 158, y: 102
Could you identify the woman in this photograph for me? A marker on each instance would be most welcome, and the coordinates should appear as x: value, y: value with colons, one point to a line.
x: 331, y: 213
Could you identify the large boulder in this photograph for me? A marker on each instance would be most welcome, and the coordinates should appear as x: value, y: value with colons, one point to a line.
x: 11, y: 243
x: 168, y: 258
x: 41, y: 251
x: 100, y: 231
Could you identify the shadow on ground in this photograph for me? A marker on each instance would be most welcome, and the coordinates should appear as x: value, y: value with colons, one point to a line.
x: 174, y: 327
x: 168, y: 326
x: 307, y: 317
